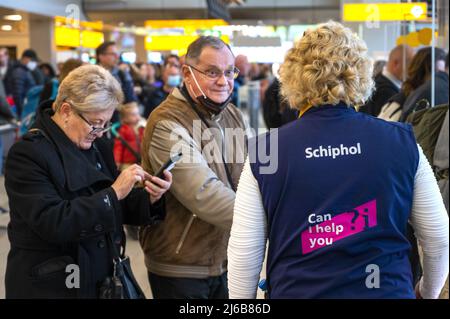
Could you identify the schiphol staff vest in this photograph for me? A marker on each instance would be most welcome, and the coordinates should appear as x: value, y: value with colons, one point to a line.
x: 337, y: 188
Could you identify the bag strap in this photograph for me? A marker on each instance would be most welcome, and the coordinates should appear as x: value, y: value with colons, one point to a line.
x: 114, y: 252
x: 127, y: 145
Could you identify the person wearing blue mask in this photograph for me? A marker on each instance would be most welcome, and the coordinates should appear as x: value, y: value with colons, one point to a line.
x: 171, y: 77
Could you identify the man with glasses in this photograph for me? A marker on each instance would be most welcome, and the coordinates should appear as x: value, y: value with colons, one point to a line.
x: 186, y: 254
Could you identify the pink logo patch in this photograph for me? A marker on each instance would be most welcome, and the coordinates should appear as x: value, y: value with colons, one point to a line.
x: 340, y: 226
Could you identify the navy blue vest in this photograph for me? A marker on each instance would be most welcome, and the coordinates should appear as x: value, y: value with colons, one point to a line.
x: 337, y: 189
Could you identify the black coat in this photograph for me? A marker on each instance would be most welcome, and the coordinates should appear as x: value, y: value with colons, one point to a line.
x: 384, y: 90
x: 276, y: 112
x: 22, y: 81
x: 61, y: 207
x: 424, y: 92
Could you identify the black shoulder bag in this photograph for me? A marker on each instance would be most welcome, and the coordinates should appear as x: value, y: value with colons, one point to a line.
x: 122, y: 284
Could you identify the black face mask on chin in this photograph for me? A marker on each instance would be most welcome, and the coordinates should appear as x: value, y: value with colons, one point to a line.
x: 206, y: 102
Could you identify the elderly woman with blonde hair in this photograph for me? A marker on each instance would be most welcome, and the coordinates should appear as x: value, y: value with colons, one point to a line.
x: 67, y: 201
x: 332, y: 201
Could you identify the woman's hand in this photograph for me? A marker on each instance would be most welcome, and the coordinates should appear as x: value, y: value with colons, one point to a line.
x: 127, y: 179
x: 156, y: 187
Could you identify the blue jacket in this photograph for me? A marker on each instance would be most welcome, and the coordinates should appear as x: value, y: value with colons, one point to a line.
x: 21, y: 82
x: 338, y: 201
x: 126, y: 82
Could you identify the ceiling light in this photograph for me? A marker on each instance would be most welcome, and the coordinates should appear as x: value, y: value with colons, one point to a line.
x: 13, y: 17
x: 6, y: 27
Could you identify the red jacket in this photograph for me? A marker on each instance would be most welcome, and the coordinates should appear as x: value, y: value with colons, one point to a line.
x: 122, y: 155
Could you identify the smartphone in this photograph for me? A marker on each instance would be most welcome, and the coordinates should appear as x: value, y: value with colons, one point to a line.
x: 168, y: 165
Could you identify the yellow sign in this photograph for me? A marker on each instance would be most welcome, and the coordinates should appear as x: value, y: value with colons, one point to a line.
x: 67, y: 37
x: 93, y: 25
x: 194, y: 23
x: 415, y: 39
x: 91, y: 39
x: 385, y: 12
x: 172, y: 42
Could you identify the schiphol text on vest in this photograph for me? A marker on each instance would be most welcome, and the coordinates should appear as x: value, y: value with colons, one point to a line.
x: 333, y: 152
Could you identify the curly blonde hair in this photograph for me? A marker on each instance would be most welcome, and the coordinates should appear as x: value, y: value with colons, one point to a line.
x: 327, y: 65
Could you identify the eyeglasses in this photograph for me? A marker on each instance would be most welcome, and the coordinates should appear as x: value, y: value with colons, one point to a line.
x: 215, y: 73
x: 95, y: 130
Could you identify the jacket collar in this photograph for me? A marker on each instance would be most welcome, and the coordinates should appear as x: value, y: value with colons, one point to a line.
x: 78, y: 171
x: 183, y: 94
x: 329, y: 110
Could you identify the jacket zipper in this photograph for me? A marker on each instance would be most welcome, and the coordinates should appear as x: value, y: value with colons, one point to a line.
x: 184, y: 234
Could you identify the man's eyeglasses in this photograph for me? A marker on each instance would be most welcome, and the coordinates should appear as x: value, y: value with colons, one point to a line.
x: 95, y: 130
x: 215, y: 73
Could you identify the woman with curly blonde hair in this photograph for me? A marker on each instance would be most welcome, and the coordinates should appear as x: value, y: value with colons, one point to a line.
x: 333, y: 201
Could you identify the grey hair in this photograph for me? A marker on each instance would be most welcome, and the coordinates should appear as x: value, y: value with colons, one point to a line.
x: 195, y: 48
x: 89, y: 88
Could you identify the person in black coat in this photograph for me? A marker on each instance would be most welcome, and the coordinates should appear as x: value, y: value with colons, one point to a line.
x: 277, y: 112
x: 389, y: 81
x: 66, y: 197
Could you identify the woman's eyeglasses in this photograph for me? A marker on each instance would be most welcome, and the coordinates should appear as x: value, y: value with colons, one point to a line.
x: 95, y: 130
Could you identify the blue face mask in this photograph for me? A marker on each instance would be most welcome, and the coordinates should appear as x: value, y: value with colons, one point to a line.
x: 174, y: 80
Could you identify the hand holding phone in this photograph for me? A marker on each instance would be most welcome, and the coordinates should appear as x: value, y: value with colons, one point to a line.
x: 168, y: 165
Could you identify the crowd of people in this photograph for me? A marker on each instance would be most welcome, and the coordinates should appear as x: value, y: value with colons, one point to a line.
x: 331, y: 198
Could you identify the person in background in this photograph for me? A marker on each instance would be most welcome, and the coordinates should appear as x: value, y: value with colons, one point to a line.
x: 389, y: 81
x: 378, y: 67
x: 6, y: 117
x: 51, y: 88
x: 108, y: 57
x: 67, y: 201
x: 172, y: 59
x: 424, y: 91
x: 47, y: 71
x: 336, y: 208
x: 5, y: 110
x: 127, y: 148
x: 22, y: 79
x: 6, y: 67
x: 127, y: 145
x: 59, y: 67
x: 419, y: 73
x: 243, y: 66
x: 171, y: 78
x: 276, y: 111
x: 147, y: 72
